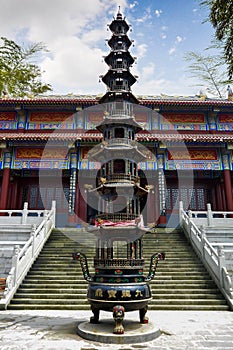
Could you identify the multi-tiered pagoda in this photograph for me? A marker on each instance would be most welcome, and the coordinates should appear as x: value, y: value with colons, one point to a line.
x: 119, y: 283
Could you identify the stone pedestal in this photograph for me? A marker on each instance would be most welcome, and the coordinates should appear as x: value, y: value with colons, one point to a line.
x: 135, y: 332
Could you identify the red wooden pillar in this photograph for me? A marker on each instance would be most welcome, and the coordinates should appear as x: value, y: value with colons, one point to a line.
x: 219, y: 199
x: 5, y: 179
x: 227, y: 182
x: 82, y: 208
x: 5, y: 188
x: 228, y: 189
x: 14, y: 194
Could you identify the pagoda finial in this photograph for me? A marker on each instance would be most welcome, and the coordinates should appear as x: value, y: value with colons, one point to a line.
x: 119, y: 15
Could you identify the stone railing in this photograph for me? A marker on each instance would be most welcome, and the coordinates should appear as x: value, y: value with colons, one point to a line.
x: 21, y: 217
x: 212, y: 255
x: 23, y: 257
x: 212, y: 218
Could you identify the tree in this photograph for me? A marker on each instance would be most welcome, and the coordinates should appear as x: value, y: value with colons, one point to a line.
x: 209, y: 70
x: 19, y: 75
x: 221, y: 18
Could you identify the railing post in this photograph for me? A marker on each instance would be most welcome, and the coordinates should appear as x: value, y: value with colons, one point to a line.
x: 45, y: 222
x: 33, y: 231
x: 53, y: 208
x: 203, y: 239
x: 181, y: 209
x: 15, y: 262
x: 209, y: 215
x: 221, y: 264
x: 25, y: 213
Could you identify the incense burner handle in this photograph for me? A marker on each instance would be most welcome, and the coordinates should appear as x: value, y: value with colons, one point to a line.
x: 153, y: 265
x: 84, y: 265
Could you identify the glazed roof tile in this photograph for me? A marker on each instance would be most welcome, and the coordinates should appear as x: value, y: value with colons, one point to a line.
x: 96, y: 137
x: 93, y: 99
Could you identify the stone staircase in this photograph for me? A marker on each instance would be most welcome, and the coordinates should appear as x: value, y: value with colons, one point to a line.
x: 55, y: 281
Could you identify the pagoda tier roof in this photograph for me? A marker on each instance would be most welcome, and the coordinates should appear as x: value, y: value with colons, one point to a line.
x: 97, y: 137
x: 94, y: 99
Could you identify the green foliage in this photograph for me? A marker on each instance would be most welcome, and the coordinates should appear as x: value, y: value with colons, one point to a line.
x: 221, y: 18
x: 209, y: 70
x: 19, y: 75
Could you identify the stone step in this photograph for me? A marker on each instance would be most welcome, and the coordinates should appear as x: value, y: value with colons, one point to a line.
x: 56, y: 282
x: 190, y: 301
x: 156, y: 292
x: 87, y: 307
x: 67, y: 289
x: 190, y: 307
x: 183, y: 282
x: 70, y: 276
x: 73, y: 294
x: 48, y: 301
x: 166, y: 286
x: 161, y: 270
x: 52, y: 296
x: 81, y: 300
x: 45, y: 306
x: 192, y: 296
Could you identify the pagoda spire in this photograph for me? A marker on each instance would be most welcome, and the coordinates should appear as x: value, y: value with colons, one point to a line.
x: 119, y: 79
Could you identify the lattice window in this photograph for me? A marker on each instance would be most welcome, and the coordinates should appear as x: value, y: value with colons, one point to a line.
x: 184, y: 197
x: 33, y: 197
x: 193, y: 201
x: 168, y: 199
x: 66, y: 197
x: 49, y: 197
x: 175, y: 198
x: 25, y: 195
x: 41, y: 198
x: 201, y: 199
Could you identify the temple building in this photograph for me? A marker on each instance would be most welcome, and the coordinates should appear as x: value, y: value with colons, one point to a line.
x: 46, y: 143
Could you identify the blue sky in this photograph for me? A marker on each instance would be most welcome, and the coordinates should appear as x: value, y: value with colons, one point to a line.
x: 75, y: 32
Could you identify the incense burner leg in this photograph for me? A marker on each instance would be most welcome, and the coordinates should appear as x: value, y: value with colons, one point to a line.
x: 118, y: 315
x: 95, y: 318
x: 142, y: 313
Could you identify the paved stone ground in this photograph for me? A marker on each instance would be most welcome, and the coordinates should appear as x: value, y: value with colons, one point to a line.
x: 56, y: 330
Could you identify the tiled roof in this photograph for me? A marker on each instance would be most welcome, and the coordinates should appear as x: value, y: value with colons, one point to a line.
x: 93, y: 99
x: 186, y: 137
x: 95, y: 137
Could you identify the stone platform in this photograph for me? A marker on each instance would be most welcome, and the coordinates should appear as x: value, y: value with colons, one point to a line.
x: 135, y: 332
x: 55, y: 330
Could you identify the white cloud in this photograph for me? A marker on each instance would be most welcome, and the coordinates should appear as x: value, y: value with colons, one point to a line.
x: 76, y: 67
x: 145, y: 17
x: 131, y: 6
x: 172, y: 50
x: 158, y: 13
x: 92, y: 37
x: 74, y: 32
x: 148, y: 71
x: 179, y: 39
x: 141, y: 50
x: 163, y: 85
